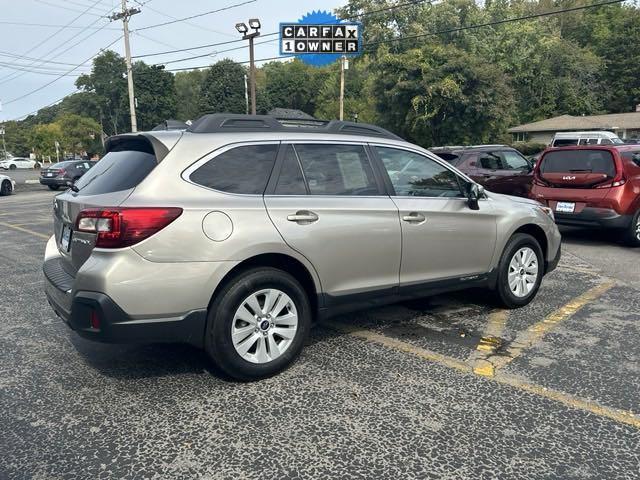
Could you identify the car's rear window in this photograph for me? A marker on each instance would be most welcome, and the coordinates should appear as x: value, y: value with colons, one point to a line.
x: 61, y: 165
x: 117, y: 171
x: 587, y: 161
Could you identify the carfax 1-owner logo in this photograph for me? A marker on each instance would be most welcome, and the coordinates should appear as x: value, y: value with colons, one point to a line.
x: 320, y: 38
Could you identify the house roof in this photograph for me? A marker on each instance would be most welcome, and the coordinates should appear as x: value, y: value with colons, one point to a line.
x: 290, y: 113
x: 613, y: 121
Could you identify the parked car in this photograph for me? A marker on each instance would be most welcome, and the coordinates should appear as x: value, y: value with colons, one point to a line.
x: 7, y: 185
x: 239, y: 232
x: 498, y: 168
x: 597, y: 186
x: 564, y: 139
x: 18, y: 162
x: 65, y: 173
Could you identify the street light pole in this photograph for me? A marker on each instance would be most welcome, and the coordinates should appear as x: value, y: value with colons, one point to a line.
x: 242, y: 28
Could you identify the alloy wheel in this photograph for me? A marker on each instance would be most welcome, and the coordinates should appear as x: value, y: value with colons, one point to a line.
x: 523, y: 272
x: 264, y: 326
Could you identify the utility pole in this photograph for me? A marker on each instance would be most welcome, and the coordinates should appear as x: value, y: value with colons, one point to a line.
x: 246, y: 95
x: 124, y: 15
x: 344, y: 65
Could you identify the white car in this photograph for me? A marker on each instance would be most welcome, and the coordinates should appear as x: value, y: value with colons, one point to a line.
x: 6, y: 185
x: 18, y: 162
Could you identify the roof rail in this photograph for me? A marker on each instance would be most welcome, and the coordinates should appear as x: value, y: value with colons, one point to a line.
x: 233, y: 123
x: 171, y: 125
x: 464, y: 147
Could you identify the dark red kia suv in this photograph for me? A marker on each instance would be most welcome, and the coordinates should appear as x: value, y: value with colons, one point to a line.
x: 592, y: 186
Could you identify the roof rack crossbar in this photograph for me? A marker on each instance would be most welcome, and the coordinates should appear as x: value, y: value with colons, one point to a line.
x: 227, y: 122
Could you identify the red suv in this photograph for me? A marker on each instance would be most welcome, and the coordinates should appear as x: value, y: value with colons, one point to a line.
x: 592, y: 186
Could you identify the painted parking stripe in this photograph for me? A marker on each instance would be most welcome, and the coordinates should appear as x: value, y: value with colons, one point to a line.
x: 571, y: 401
x: 534, y: 334
x: 25, y: 230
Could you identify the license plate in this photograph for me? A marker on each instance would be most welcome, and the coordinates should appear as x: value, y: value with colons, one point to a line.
x: 65, y: 240
x: 49, y: 175
x: 565, y: 207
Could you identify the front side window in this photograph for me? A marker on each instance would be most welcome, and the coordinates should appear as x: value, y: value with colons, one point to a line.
x: 514, y: 161
x: 491, y: 161
x: 415, y: 175
x: 336, y: 169
x: 243, y: 170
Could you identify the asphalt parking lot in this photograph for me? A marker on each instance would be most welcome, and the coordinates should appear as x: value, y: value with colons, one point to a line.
x: 448, y: 387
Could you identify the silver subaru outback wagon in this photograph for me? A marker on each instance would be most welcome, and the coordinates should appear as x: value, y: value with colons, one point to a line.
x: 236, y: 234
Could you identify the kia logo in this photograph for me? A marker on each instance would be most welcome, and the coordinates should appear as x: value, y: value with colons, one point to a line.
x: 569, y: 177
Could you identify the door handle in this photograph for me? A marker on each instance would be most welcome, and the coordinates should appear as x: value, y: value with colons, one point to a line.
x: 414, y: 217
x: 303, y: 217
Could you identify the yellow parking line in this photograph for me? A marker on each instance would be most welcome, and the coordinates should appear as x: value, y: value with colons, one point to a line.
x: 25, y: 230
x: 491, y: 340
x: 535, y: 332
x: 571, y: 401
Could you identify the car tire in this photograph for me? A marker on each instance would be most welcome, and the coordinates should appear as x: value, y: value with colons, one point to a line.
x: 54, y: 187
x: 6, y: 188
x: 632, y: 234
x: 521, y: 259
x: 12, y: 167
x: 247, y: 346
x: 36, y: 166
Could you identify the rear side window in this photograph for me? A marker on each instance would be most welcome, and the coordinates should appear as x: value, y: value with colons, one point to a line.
x: 118, y: 170
x: 583, y: 161
x: 634, y: 156
x: 243, y: 170
x: 337, y: 169
x: 563, y: 142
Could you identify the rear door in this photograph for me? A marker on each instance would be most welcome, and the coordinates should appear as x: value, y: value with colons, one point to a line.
x: 442, y: 238
x: 329, y: 205
x: 108, y: 184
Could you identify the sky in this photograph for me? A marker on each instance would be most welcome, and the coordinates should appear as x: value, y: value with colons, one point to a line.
x: 70, y: 32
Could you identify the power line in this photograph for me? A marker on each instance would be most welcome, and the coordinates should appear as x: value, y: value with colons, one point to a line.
x: 67, y: 8
x: 9, y: 77
x: 427, y: 34
x: 228, y: 7
x: 13, y: 100
x: 47, y: 25
x: 195, y: 25
x: 42, y: 108
x: 359, y: 15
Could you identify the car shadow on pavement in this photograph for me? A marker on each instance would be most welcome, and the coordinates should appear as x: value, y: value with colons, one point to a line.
x: 133, y: 361
x: 591, y: 236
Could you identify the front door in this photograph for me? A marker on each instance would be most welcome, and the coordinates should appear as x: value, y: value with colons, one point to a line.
x: 442, y: 238
x: 328, y: 205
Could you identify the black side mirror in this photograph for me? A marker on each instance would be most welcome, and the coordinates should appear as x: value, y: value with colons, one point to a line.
x: 474, y: 193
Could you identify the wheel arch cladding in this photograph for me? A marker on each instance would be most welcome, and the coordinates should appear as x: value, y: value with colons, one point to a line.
x: 281, y: 262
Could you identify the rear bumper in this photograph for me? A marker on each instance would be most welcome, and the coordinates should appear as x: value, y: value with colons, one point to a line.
x: 113, y: 324
x: 53, y: 181
x: 594, y: 217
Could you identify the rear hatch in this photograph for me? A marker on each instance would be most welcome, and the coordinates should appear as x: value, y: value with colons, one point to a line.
x: 576, y: 178
x: 128, y: 161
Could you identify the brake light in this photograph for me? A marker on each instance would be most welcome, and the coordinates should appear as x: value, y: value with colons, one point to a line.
x: 61, y: 172
x: 615, y: 183
x: 123, y: 227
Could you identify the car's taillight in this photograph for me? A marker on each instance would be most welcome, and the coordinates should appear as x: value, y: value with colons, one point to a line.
x: 123, y: 227
x: 61, y: 172
x: 616, y: 183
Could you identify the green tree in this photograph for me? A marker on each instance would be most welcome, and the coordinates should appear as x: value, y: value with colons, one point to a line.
x: 80, y: 134
x: 291, y: 85
x: 43, y: 139
x: 188, y: 86
x: 156, y: 94
x: 108, y: 81
x: 223, y: 88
